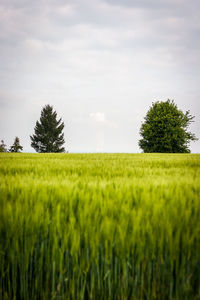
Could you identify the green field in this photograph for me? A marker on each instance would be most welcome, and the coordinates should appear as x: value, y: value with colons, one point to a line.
x: 99, y: 226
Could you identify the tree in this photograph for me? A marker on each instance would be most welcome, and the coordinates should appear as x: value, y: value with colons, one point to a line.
x: 165, y: 129
x: 3, y: 146
x: 48, y: 135
x: 16, y: 147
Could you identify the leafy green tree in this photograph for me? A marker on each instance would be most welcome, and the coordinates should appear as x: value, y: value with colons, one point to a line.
x: 165, y: 129
x: 3, y: 146
x: 48, y: 135
x: 16, y: 147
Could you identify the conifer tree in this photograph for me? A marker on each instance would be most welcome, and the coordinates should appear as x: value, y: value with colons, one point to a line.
x: 16, y: 147
x: 48, y: 136
x: 3, y: 146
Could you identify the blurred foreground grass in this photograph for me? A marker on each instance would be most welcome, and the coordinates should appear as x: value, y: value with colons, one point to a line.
x: 99, y: 226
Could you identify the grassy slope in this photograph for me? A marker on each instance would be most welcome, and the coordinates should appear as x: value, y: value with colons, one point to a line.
x: 99, y: 226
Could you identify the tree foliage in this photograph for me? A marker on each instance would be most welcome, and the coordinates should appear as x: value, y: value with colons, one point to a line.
x: 3, y: 146
x: 16, y: 147
x: 165, y: 129
x: 48, y: 136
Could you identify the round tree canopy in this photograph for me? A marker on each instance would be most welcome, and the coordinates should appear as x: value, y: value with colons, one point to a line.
x: 165, y: 129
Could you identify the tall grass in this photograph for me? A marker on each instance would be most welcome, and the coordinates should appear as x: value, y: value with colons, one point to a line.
x: 99, y: 226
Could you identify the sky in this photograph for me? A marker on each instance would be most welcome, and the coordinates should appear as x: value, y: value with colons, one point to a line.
x: 100, y: 64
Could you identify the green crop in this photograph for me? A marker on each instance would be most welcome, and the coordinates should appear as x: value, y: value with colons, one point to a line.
x: 99, y: 226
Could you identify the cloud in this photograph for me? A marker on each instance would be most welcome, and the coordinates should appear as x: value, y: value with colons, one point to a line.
x: 34, y: 44
x: 100, y: 118
x: 108, y: 57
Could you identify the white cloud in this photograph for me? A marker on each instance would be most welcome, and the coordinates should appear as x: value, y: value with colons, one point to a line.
x: 102, y: 61
x: 100, y: 118
x: 34, y: 44
x: 66, y: 10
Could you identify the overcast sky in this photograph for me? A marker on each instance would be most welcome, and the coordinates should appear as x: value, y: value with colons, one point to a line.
x: 100, y: 63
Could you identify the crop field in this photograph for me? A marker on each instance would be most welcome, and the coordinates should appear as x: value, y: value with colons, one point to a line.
x: 99, y: 226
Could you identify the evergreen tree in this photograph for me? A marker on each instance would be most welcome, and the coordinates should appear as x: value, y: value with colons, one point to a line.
x: 48, y: 136
x: 3, y: 146
x: 165, y: 129
x: 16, y: 147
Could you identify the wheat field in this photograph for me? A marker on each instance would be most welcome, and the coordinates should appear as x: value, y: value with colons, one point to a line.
x: 99, y: 226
